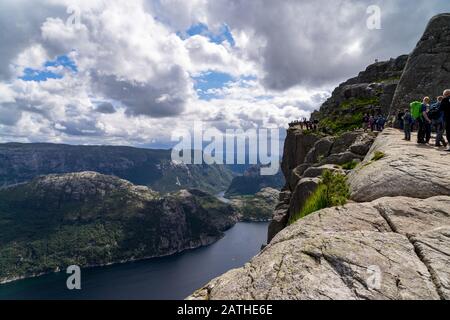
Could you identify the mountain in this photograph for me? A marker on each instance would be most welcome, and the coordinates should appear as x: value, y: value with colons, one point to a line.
x: 427, y: 72
x: 258, y: 207
x: 252, y: 182
x: 370, y: 92
x: 153, y: 168
x: 90, y: 219
x: 391, y: 240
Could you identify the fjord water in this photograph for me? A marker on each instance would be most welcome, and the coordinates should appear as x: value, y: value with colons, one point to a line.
x: 173, y: 277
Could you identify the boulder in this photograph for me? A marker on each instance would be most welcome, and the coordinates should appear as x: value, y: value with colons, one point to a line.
x: 315, y: 172
x: 297, y: 174
x: 320, y: 150
x: 341, y: 158
x: 344, y: 142
x: 359, y: 251
x: 362, y: 144
x: 427, y: 72
x: 407, y: 169
x: 304, y: 189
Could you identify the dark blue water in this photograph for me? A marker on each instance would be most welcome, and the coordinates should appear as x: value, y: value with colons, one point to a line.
x: 173, y: 277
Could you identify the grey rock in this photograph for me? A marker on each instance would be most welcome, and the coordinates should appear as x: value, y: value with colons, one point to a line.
x: 315, y: 172
x: 304, y: 189
x: 279, y: 221
x: 427, y: 72
x: 406, y: 170
x: 335, y: 253
x: 320, y: 150
x: 297, y: 174
x: 340, y: 158
x: 296, y: 147
x: 343, y: 142
x: 362, y: 144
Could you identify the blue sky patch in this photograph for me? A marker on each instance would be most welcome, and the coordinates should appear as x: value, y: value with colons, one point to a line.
x: 203, y: 30
x: 30, y: 74
x: 210, y: 80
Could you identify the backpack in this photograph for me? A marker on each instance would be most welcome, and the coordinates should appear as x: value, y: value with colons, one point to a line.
x: 435, y: 112
x: 416, y: 110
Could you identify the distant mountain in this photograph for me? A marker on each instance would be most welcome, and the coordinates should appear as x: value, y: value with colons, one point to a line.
x: 252, y: 182
x: 90, y: 219
x: 154, y: 168
x: 258, y: 207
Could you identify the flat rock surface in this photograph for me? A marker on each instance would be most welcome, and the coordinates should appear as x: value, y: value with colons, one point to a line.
x: 359, y: 251
x: 407, y: 169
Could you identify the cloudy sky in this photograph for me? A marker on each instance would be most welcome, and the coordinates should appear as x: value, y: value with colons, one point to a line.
x: 133, y: 72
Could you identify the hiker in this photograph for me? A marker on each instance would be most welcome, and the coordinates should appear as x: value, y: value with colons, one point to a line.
x: 400, y: 120
x: 407, y: 124
x: 445, y: 108
x: 366, y: 120
x: 372, y: 123
x: 437, y: 120
x: 424, y: 135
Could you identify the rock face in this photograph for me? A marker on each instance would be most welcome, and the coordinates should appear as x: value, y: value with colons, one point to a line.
x: 371, y: 91
x: 392, y: 248
x: 427, y: 72
x: 90, y: 219
x: 153, y: 168
x: 305, y: 158
x: 405, y: 170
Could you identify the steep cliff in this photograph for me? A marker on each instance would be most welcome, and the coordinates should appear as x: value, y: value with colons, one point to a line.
x: 370, y: 92
x: 427, y: 72
x: 90, y: 219
x: 389, y: 248
x: 392, y: 240
x: 306, y: 156
x: 153, y: 168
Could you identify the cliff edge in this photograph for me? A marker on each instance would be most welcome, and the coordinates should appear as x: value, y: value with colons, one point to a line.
x: 389, y: 248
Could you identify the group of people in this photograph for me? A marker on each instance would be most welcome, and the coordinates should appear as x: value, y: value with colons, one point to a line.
x: 374, y: 123
x: 428, y: 116
x: 306, y: 124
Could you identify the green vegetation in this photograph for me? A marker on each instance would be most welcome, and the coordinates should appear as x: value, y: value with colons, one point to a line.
x: 47, y: 227
x: 345, y: 123
x: 350, y: 165
x: 378, y: 155
x: 358, y: 102
x: 332, y: 191
x: 388, y: 79
x: 348, y: 115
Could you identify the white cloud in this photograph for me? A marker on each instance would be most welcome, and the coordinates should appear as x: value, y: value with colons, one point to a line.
x: 131, y: 62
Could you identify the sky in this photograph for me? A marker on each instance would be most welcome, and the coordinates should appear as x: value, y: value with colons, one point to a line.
x: 135, y: 72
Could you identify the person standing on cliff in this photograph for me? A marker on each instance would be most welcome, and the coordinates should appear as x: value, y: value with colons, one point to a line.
x: 424, y: 135
x: 445, y: 108
x: 407, y: 123
x: 437, y: 118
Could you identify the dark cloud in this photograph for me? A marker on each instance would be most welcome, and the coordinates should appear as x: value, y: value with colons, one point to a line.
x: 79, y: 127
x: 9, y: 114
x: 309, y: 42
x: 106, y: 108
x: 165, y: 99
